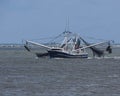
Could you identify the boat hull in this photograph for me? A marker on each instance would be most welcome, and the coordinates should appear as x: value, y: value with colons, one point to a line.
x: 59, y: 54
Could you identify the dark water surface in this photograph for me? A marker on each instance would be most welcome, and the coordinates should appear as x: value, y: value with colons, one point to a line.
x: 23, y: 75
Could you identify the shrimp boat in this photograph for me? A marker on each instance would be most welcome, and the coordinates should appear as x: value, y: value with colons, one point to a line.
x: 72, y: 46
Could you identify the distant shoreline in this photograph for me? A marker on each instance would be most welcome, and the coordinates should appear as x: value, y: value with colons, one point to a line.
x: 22, y: 45
x: 11, y: 45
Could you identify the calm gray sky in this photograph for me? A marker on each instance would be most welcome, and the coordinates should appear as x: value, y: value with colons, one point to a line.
x: 33, y: 19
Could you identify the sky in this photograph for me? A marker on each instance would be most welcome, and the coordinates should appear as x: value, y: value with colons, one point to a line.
x: 34, y: 19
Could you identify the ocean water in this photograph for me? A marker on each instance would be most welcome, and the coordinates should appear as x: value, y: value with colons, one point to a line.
x: 21, y: 74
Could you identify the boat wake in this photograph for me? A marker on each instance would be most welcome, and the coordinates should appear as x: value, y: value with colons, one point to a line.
x: 115, y: 57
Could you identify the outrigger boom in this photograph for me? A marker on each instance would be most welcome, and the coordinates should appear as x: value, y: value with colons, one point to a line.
x: 92, y: 45
x: 38, y: 44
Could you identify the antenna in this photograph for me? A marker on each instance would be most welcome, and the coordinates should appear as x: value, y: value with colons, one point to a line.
x: 67, y: 24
